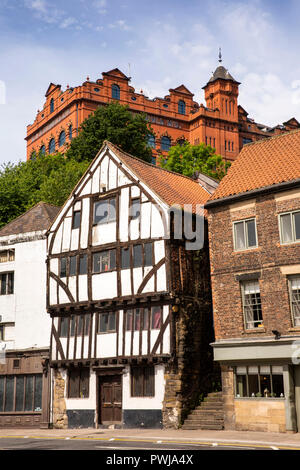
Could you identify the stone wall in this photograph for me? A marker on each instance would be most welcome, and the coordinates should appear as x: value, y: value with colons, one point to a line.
x: 60, y: 419
x: 260, y: 415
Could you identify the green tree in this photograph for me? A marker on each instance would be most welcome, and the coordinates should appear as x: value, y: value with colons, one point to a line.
x: 116, y: 124
x: 48, y: 178
x: 188, y: 159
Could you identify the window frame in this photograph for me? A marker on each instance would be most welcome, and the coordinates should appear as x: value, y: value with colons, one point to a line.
x: 34, y: 393
x: 289, y: 280
x: 259, y: 395
x: 242, y: 288
x: 110, y: 269
x: 79, y: 371
x: 105, y: 200
x: 246, y: 237
x: 9, y: 283
x: 108, y: 314
x: 294, y: 241
x: 115, y: 92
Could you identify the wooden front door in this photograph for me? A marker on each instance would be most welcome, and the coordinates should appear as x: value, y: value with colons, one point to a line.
x: 110, y: 399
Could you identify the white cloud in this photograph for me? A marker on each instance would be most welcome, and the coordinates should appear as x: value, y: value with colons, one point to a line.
x: 120, y: 24
x: 68, y: 22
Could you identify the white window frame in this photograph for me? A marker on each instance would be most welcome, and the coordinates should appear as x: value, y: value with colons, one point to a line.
x: 261, y: 324
x: 290, y: 279
x: 294, y: 240
x: 246, y: 235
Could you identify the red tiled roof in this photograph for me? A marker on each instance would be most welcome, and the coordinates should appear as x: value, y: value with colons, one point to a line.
x: 39, y: 217
x: 263, y: 163
x: 171, y: 187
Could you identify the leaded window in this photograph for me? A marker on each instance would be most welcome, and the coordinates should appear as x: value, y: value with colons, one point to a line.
x: 104, y: 261
x: 107, y: 322
x: 104, y: 211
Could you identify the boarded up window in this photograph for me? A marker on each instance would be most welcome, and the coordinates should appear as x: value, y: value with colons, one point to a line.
x: 79, y: 383
x: 142, y: 381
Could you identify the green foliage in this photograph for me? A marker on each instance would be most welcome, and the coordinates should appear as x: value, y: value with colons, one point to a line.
x: 48, y: 178
x: 187, y: 159
x: 116, y: 124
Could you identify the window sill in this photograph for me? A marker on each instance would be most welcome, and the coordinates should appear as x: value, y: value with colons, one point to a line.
x: 294, y: 328
x: 255, y: 330
x: 259, y: 398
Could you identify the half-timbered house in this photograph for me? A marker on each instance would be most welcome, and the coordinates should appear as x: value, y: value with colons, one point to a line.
x: 130, y: 305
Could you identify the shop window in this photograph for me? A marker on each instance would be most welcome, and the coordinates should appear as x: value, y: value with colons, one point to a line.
x: 259, y: 381
x: 21, y: 393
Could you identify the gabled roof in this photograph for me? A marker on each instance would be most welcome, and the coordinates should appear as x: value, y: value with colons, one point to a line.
x: 51, y: 88
x: 116, y: 73
x: 182, y: 89
x: 292, y: 122
x: 37, y: 218
x: 263, y: 164
x: 170, y: 187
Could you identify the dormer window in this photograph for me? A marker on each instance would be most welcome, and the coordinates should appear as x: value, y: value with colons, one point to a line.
x: 115, y: 92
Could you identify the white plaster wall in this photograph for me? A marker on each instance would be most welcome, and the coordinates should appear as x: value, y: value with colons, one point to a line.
x: 104, y: 285
x: 144, y: 403
x: 32, y: 323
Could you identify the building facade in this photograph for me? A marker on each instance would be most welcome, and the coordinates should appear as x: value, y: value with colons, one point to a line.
x: 221, y: 123
x: 130, y: 306
x: 254, y: 232
x: 24, y: 324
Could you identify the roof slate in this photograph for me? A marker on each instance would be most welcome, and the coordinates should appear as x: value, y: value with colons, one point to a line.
x: 262, y: 164
x: 37, y: 218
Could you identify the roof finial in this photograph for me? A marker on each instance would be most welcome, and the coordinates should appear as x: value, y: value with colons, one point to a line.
x: 220, y: 55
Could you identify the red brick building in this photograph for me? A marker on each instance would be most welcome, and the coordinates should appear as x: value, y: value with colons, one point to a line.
x: 254, y: 227
x: 221, y: 122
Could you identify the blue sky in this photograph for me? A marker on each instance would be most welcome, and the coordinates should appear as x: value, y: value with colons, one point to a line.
x: 161, y: 44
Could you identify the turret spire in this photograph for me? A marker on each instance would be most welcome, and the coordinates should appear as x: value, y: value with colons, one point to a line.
x: 220, y: 55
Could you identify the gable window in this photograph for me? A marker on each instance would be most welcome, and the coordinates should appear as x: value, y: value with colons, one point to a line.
x: 52, y: 146
x: 135, y: 209
x: 259, y: 381
x: 76, y: 219
x: 289, y: 227
x: 7, y: 255
x: 6, y: 283
x: 62, y: 138
x: 294, y: 287
x: 51, y: 105
x: 142, y: 381
x: 107, y: 322
x: 165, y: 143
x: 181, y: 107
x: 83, y: 264
x: 151, y: 141
x: 115, y: 92
x: 78, y: 383
x: 104, y: 261
x: 252, y: 305
x: 104, y: 211
x: 245, y: 236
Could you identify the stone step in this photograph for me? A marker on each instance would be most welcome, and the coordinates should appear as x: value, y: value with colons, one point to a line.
x: 212, y: 399
x: 210, y: 406
x: 205, y: 418
x: 203, y: 421
x: 217, y: 427
x: 205, y: 412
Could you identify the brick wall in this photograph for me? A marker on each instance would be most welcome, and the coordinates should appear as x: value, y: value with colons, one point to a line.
x: 268, y: 260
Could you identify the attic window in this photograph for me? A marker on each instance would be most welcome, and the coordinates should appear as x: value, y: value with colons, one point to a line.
x: 97, y: 89
x: 165, y: 106
x: 133, y: 98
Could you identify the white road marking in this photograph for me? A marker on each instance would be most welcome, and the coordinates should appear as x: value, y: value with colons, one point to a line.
x: 214, y: 444
x: 159, y: 442
x: 112, y: 439
x: 274, y: 448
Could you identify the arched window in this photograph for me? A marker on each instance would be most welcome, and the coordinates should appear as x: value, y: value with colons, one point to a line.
x: 115, y: 92
x: 51, y: 105
x: 181, y: 142
x: 43, y: 149
x: 33, y: 155
x: 165, y: 143
x: 52, y: 146
x: 70, y: 132
x: 151, y: 141
x: 181, y: 107
x: 62, y: 138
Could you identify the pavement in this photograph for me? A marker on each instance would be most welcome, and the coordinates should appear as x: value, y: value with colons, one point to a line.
x: 242, y: 438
